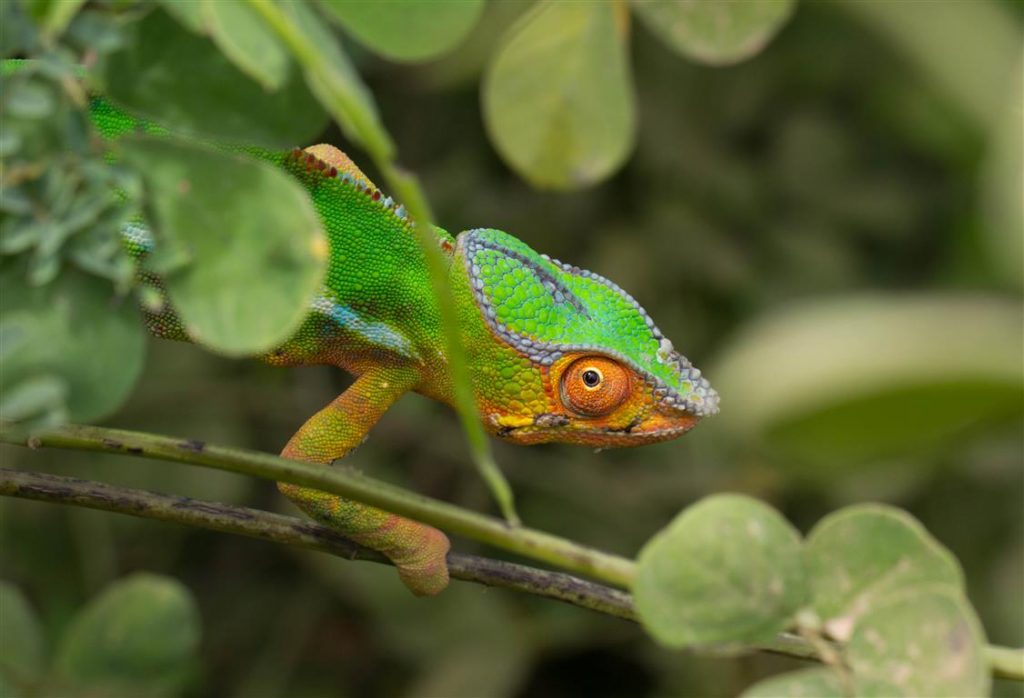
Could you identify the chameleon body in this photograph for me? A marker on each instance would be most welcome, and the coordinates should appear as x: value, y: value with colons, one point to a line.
x: 555, y: 353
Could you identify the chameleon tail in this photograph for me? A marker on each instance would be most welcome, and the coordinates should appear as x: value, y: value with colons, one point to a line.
x: 417, y: 550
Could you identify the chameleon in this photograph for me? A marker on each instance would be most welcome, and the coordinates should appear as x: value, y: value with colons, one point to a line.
x: 555, y: 353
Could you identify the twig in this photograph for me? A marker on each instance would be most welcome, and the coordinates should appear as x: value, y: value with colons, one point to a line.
x: 537, y: 545
x: 289, y: 530
x: 1004, y: 662
x: 264, y: 525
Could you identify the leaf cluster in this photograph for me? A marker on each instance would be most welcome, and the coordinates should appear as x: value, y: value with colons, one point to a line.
x: 138, y: 637
x: 882, y: 601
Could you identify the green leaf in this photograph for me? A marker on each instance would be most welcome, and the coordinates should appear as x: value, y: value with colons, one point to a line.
x: 844, y: 381
x: 139, y: 637
x: 52, y: 16
x: 182, y: 81
x: 42, y: 394
x: 407, y: 30
x: 334, y: 68
x: 860, y: 554
x: 557, y: 98
x: 807, y: 683
x: 1002, y: 180
x: 256, y: 246
x: 74, y: 329
x: 920, y: 642
x: 189, y: 13
x: 98, y: 31
x: 30, y: 100
x: 22, y: 650
x: 717, y: 32
x: 726, y: 570
x: 244, y: 37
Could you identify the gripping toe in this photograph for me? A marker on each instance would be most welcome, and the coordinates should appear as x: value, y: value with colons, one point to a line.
x: 424, y: 570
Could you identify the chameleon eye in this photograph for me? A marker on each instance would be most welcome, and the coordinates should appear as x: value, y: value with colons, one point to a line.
x: 593, y: 386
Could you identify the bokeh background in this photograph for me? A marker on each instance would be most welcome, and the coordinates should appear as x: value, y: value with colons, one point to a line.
x: 831, y: 230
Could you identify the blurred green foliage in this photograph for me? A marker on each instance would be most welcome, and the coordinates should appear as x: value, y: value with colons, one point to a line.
x: 557, y: 97
x: 857, y: 173
x: 138, y: 637
x: 730, y: 570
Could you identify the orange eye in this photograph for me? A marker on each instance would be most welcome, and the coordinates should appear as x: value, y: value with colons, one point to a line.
x: 594, y: 386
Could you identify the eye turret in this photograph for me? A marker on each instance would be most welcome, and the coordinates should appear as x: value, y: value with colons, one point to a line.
x: 594, y: 386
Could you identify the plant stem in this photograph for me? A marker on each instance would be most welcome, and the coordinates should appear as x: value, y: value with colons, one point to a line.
x: 346, y: 482
x: 302, y: 533
x: 337, y: 93
x: 1004, y: 662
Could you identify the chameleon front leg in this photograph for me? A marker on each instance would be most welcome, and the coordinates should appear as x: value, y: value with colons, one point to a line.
x: 418, y: 550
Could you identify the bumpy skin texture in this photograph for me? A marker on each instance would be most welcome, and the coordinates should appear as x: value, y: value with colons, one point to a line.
x: 556, y: 353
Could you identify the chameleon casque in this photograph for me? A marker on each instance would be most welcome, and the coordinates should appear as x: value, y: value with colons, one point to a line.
x: 555, y: 353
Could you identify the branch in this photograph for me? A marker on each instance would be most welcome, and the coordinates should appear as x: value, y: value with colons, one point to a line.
x: 302, y: 533
x: 1004, y: 662
x: 346, y: 482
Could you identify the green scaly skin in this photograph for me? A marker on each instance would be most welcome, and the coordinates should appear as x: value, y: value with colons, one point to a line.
x: 555, y: 353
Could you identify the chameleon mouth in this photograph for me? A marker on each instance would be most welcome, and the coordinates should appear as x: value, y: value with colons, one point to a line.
x: 664, y: 425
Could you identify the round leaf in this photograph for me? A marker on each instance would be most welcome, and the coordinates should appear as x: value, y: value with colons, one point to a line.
x: 188, y: 14
x: 407, y: 31
x: 73, y: 332
x: 182, y: 81
x: 920, y: 643
x: 22, y: 653
x: 557, y: 98
x: 861, y: 553
x: 256, y: 247
x: 718, y: 32
x: 808, y: 683
x: 727, y: 569
x: 845, y: 381
x: 140, y: 635
x: 40, y: 395
x: 244, y: 38
x: 334, y: 71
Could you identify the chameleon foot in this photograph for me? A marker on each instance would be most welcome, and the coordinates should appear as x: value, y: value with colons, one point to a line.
x: 424, y: 570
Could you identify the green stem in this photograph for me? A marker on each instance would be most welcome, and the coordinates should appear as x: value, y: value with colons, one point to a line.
x: 303, y: 534
x: 337, y: 95
x: 524, y: 541
x: 1004, y: 662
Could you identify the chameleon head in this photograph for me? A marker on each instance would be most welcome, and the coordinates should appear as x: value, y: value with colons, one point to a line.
x: 562, y: 354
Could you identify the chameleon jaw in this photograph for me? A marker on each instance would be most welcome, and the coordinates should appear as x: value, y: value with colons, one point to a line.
x: 663, y: 425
